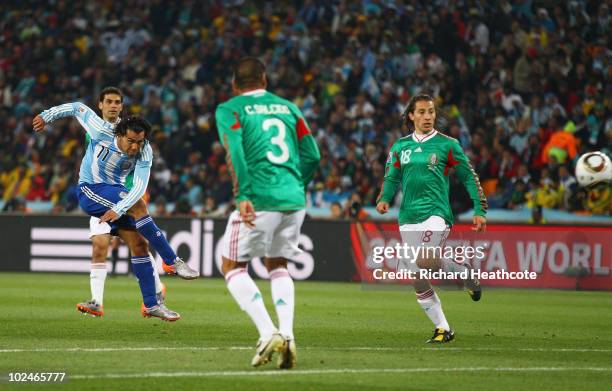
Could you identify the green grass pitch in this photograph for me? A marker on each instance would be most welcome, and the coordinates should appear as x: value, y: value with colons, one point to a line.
x: 347, y: 337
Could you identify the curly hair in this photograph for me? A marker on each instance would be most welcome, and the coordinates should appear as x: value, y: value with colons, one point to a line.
x: 133, y: 123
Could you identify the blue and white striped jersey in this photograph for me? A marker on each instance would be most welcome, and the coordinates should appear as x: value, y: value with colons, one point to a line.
x: 103, y: 161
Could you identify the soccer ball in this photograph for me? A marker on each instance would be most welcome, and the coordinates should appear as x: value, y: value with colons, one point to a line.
x: 592, y: 168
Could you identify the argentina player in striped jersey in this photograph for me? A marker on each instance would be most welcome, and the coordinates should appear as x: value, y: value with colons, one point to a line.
x: 110, y: 104
x: 111, y: 155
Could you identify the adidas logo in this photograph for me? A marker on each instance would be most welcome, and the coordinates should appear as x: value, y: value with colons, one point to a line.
x: 256, y: 296
x: 280, y: 302
x: 418, y: 150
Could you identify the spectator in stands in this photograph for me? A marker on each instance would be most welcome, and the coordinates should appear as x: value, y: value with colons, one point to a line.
x: 336, y: 211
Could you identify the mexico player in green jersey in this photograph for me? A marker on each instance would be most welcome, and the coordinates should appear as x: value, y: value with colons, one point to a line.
x: 420, y: 164
x: 272, y: 157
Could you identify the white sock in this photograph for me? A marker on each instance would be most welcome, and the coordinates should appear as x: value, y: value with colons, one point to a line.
x: 283, y: 294
x: 158, y: 284
x: 97, y: 276
x: 247, y: 295
x: 430, y: 302
x: 450, y: 266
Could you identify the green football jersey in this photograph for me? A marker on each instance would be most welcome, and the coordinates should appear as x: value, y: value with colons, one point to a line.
x: 272, y: 155
x: 129, y: 180
x: 422, y: 168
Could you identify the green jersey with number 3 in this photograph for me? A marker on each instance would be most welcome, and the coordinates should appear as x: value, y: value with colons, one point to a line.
x: 272, y: 155
x: 421, y: 165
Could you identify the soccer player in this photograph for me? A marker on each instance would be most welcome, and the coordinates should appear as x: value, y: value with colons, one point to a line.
x: 114, y: 152
x: 110, y: 103
x: 272, y: 156
x: 420, y: 163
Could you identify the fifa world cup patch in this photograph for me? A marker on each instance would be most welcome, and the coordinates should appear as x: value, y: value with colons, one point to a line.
x: 433, y: 160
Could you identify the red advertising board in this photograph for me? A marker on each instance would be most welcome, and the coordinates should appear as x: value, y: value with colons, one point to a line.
x: 561, y: 257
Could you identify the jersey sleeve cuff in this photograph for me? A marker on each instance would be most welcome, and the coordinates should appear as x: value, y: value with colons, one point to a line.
x: 241, y: 198
x: 118, y: 211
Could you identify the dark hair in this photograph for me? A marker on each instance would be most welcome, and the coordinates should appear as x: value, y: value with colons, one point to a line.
x: 411, y: 105
x: 249, y: 72
x: 134, y: 123
x: 110, y: 90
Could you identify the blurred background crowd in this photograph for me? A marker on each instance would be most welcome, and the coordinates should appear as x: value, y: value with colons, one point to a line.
x: 524, y: 87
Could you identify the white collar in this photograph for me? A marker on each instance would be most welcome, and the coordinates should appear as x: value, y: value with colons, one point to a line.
x: 255, y: 92
x: 428, y: 137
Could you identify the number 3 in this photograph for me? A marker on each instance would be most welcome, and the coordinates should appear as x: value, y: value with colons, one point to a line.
x: 278, y: 140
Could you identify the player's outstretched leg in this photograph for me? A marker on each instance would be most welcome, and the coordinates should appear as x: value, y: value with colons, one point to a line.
x: 247, y: 295
x: 160, y: 289
x: 283, y: 295
x: 147, y: 228
x: 144, y: 271
x: 153, y: 308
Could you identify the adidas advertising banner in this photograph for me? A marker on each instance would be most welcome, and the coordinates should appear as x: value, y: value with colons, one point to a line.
x: 61, y: 244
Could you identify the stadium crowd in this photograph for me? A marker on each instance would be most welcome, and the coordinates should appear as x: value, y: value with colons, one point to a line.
x: 524, y: 89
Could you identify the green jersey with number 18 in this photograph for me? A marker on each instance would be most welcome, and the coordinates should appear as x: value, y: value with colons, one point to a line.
x: 272, y: 155
x: 421, y: 165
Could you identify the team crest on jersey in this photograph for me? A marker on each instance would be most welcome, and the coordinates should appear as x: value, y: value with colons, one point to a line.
x: 126, y: 165
x: 433, y: 160
x: 122, y: 194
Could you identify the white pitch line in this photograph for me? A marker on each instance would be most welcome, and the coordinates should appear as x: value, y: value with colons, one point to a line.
x: 333, y: 372
x: 126, y: 349
x: 348, y: 348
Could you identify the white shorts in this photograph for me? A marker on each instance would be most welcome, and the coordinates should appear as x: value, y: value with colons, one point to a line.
x: 96, y: 228
x: 429, y: 233
x: 275, y: 235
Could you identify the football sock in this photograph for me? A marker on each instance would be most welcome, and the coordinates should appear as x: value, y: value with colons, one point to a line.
x: 158, y: 283
x: 147, y: 228
x: 143, y: 269
x: 97, y: 276
x: 450, y: 266
x: 430, y: 302
x: 247, y: 295
x: 283, y: 294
